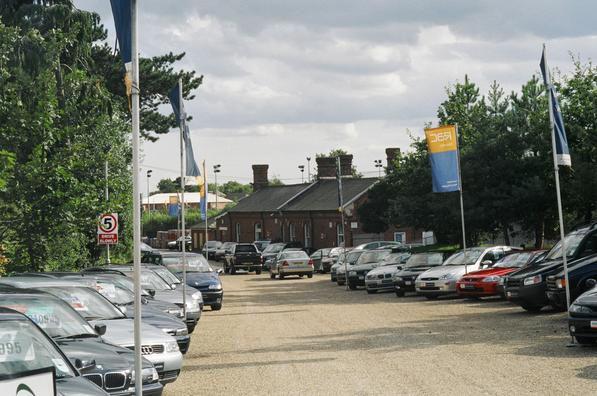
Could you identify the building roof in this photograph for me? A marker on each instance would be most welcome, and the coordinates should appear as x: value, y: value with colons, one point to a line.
x: 268, y: 199
x: 323, y: 195
x: 189, y: 197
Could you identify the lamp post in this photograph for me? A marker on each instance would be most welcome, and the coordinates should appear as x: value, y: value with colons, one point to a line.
x: 216, y: 171
x: 302, y: 169
x: 148, y: 207
x: 378, y: 165
x: 107, y: 193
x: 309, y: 169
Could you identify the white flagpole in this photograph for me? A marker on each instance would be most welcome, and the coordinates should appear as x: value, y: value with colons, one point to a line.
x: 136, y: 202
x: 461, y: 202
x: 206, y: 190
x: 557, y: 178
x: 182, y: 117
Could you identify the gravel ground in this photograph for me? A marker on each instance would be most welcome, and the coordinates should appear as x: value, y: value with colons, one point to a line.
x: 309, y: 336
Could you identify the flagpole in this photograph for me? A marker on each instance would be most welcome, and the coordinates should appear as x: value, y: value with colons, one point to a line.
x: 206, y: 190
x: 557, y: 178
x: 341, y: 209
x: 136, y: 202
x: 461, y: 202
x: 182, y: 118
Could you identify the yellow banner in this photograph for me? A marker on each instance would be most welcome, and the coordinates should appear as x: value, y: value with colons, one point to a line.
x: 441, y: 139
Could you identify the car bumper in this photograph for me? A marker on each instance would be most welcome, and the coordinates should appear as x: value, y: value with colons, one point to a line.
x: 167, y: 364
x: 438, y: 287
x: 405, y: 286
x: 358, y: 280
x: 248, y: 266
x: 581, y: 327
x: 477, y: 289
x: 212, y: 297
x: 154, y: 389
x: 530, y: 295
x: 341, y: 277
x: 296, y: 271
x: 183, y: 343
x: 379, y: 284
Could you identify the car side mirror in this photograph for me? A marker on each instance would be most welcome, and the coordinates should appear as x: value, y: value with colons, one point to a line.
x: 100, y: 329
x: 122, y: 309
x: 591, y: 283
x: 487, y: 263
x: 173, y: 286
x: 220, y: 271
x: 151, y: 292
x: 84, y: 364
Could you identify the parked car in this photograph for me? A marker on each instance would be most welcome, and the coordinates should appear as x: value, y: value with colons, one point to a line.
x: 338, y: 261
x: 271, y: 251
x: 291, y: 262
x: 210, y: 248
x: 159, y: 348
x: 442, y: 280
x: 347, y: 264
x: 582, y: 317
x: 223, y: 250
x: 108, y: 366
x: 582, y: 277
x: 318, y: 258
x: 200, y: 276
x: 404, y: 279
x: 484, y: 283
x: 381, y: 278
x: 261, y: 245
x: 177, y: 244
x: 527, y: 287
x: 37, y: 351
x: 366, y: 262
x: 243, y: 256
x: 377, y: 244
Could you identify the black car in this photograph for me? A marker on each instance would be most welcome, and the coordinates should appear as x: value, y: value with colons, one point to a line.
x: 404, y: 280
x: 581, y: 278
x: 200, y: 276
x: 527, y: 287
x: 582, y: 317
x: 34, y: 351
x: 243, y: 256
x: 210, y: 248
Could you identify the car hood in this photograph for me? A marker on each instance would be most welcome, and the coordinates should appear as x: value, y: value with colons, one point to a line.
x: 491, y: 272
x: 385, y: 269
x: 414, y: 270
x: 438, y: 272
x: 106, y: 356
x: 579, y: 265
x: 155, y: 317
x: 201, y: 279
x: 77, y: 386
x: 587, y: 298
x: 120, y: 332
x: 161, y: 305
x: 366, y: 267
x: 546, y: 268
x: 174, y: 296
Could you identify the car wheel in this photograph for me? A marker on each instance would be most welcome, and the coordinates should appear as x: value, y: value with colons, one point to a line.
x: 400, y: 293
x: 531, y: 308
x: 333, y: 278
x: 352, y: 286
x: 258, y: 272
x: 431, y: 296
x: 216, y: 307
x: 232, y: 270
x: 301, y: 275
x: 191, y: 328
x: 309, y: 276
x: 585, y: 340
x: 369, y: 291
x: 272, y: 275
x: 281, y: 276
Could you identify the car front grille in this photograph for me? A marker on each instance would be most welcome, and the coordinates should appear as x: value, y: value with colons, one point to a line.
x: 95, y: 378
x: 551, y: 283
x: 513, y: 282
x: 429, y: 279
x: 149, y: 349
x: 470, y: 280
x: 114, y: 381
x: 168, y: 375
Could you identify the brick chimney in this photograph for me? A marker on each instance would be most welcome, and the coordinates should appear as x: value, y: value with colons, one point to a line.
x: 260, y: 177
x: 326, y: 166
x: 391, y: 154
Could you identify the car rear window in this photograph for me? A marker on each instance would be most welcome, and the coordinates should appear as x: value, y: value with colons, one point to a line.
x: 245, y: 248
x: 294, y: 255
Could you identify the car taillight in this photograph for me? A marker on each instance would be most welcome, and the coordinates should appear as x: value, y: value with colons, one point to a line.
x: 262, y: 260
x: 285, y: 264
x: 311, y: 262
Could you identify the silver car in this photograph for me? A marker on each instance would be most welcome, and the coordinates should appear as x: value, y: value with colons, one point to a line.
x: 381, y: 278
x: 158, y: 347
x: 441, y: 280
x: 292, y: 262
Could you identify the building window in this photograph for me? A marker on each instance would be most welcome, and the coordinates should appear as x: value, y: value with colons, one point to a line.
x: 400, y: 237
x: 307, y: 232
x: 282, y: 233
x: 340, y: 234
x: 238, y: 232
x: 291, y: 232
x: 258, y: 232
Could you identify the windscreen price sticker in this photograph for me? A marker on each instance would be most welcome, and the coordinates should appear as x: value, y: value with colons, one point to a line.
x: 107, y: 229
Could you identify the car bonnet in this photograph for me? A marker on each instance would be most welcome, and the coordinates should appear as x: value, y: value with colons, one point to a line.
x: 120, y: 332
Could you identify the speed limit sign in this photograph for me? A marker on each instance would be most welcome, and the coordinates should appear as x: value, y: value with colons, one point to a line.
x: 107, y: 229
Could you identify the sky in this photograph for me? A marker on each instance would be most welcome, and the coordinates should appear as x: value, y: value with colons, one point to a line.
x: 284, y: 80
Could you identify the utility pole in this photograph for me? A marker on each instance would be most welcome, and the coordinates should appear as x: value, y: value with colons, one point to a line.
x: 302, y: 169
x: 148, y: 204
x: 216, y: 171
x: 309, y: 169
x: 378, y: 165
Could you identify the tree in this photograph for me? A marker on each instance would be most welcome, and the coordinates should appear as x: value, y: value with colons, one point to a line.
x: 168, y: 186
x: 337, y: 152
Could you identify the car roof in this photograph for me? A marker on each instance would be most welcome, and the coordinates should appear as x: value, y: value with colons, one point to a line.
x: 11, y: 314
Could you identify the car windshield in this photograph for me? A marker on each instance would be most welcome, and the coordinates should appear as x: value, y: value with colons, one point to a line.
x: 572, y: 241
x: 53, y: 315
x: 393, y: 258
x: 514, y: 260
x: 299, y: 254
x: 125, y: 282
x: 24, y: 347
x: 352, y: 257
x: 213, y: 244
x: 87, y: 302
x: 461, y: 258
x: 166, y: 275
x: 245, y: 249
x: 372, y: 256
x: 228, y: 245
x: 117, y: 294
x: 195, y: 263
x: 424, y: 260
x: 151, y: 280
x: 274, y: 248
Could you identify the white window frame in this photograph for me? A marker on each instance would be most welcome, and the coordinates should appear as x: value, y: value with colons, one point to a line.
x: 237, y: 231
x: 339, y: 234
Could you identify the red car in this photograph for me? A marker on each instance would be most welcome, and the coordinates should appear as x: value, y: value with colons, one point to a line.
x: 484, y: 283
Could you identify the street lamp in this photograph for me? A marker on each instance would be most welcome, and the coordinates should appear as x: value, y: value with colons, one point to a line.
x: 148, y: 207
x: 216, y: 171
x: 302, y: 169
x: 378, y: 165
x: 309, y: 169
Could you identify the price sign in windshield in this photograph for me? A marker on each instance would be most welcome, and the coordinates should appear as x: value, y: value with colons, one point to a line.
x: 107, y: 229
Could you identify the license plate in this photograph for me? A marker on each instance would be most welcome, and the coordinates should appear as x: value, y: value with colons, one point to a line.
x: 408, y: 283
x: 219, y: 300
x: 429, y: 284
x: 593, y: 324
x: 511, y: 294
x: 361, y: 277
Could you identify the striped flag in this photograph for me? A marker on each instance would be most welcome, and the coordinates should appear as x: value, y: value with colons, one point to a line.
x: 121, y: 9
x: 203, y: 193
x: 190, y: 164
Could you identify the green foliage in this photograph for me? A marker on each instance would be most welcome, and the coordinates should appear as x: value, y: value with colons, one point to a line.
x: 275, y: 181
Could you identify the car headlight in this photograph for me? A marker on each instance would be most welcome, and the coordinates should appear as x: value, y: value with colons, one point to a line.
x: 215, y: 286
x: 397, y: 278
x: 532, y: 280
x: 493, y: 278
x: 192, y: 306
x: 182, y: 332
x: 148, y: 375
x: 176, y: 312
x: 575, y: 308
x: 446, y: 276
x: 352, y: 273
x: 172, y: 346
x: 502, y: 281
x: 561, y: 283
x: 197, y: 296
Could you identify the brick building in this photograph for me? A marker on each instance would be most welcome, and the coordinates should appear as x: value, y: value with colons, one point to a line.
x: 306, y: 212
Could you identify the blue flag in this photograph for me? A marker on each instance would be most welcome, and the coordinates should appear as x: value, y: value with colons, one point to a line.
x: 443, y: 156
x: 121, y: 9
x: 191, y: 166
x: 561, y: 141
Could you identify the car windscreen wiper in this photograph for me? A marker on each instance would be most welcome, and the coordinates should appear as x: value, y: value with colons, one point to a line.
x: 75, y: 336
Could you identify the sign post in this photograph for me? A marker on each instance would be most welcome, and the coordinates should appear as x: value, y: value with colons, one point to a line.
x: 107, y: 229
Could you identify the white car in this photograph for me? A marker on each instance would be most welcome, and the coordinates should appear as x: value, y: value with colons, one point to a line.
x: 441, y: 280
